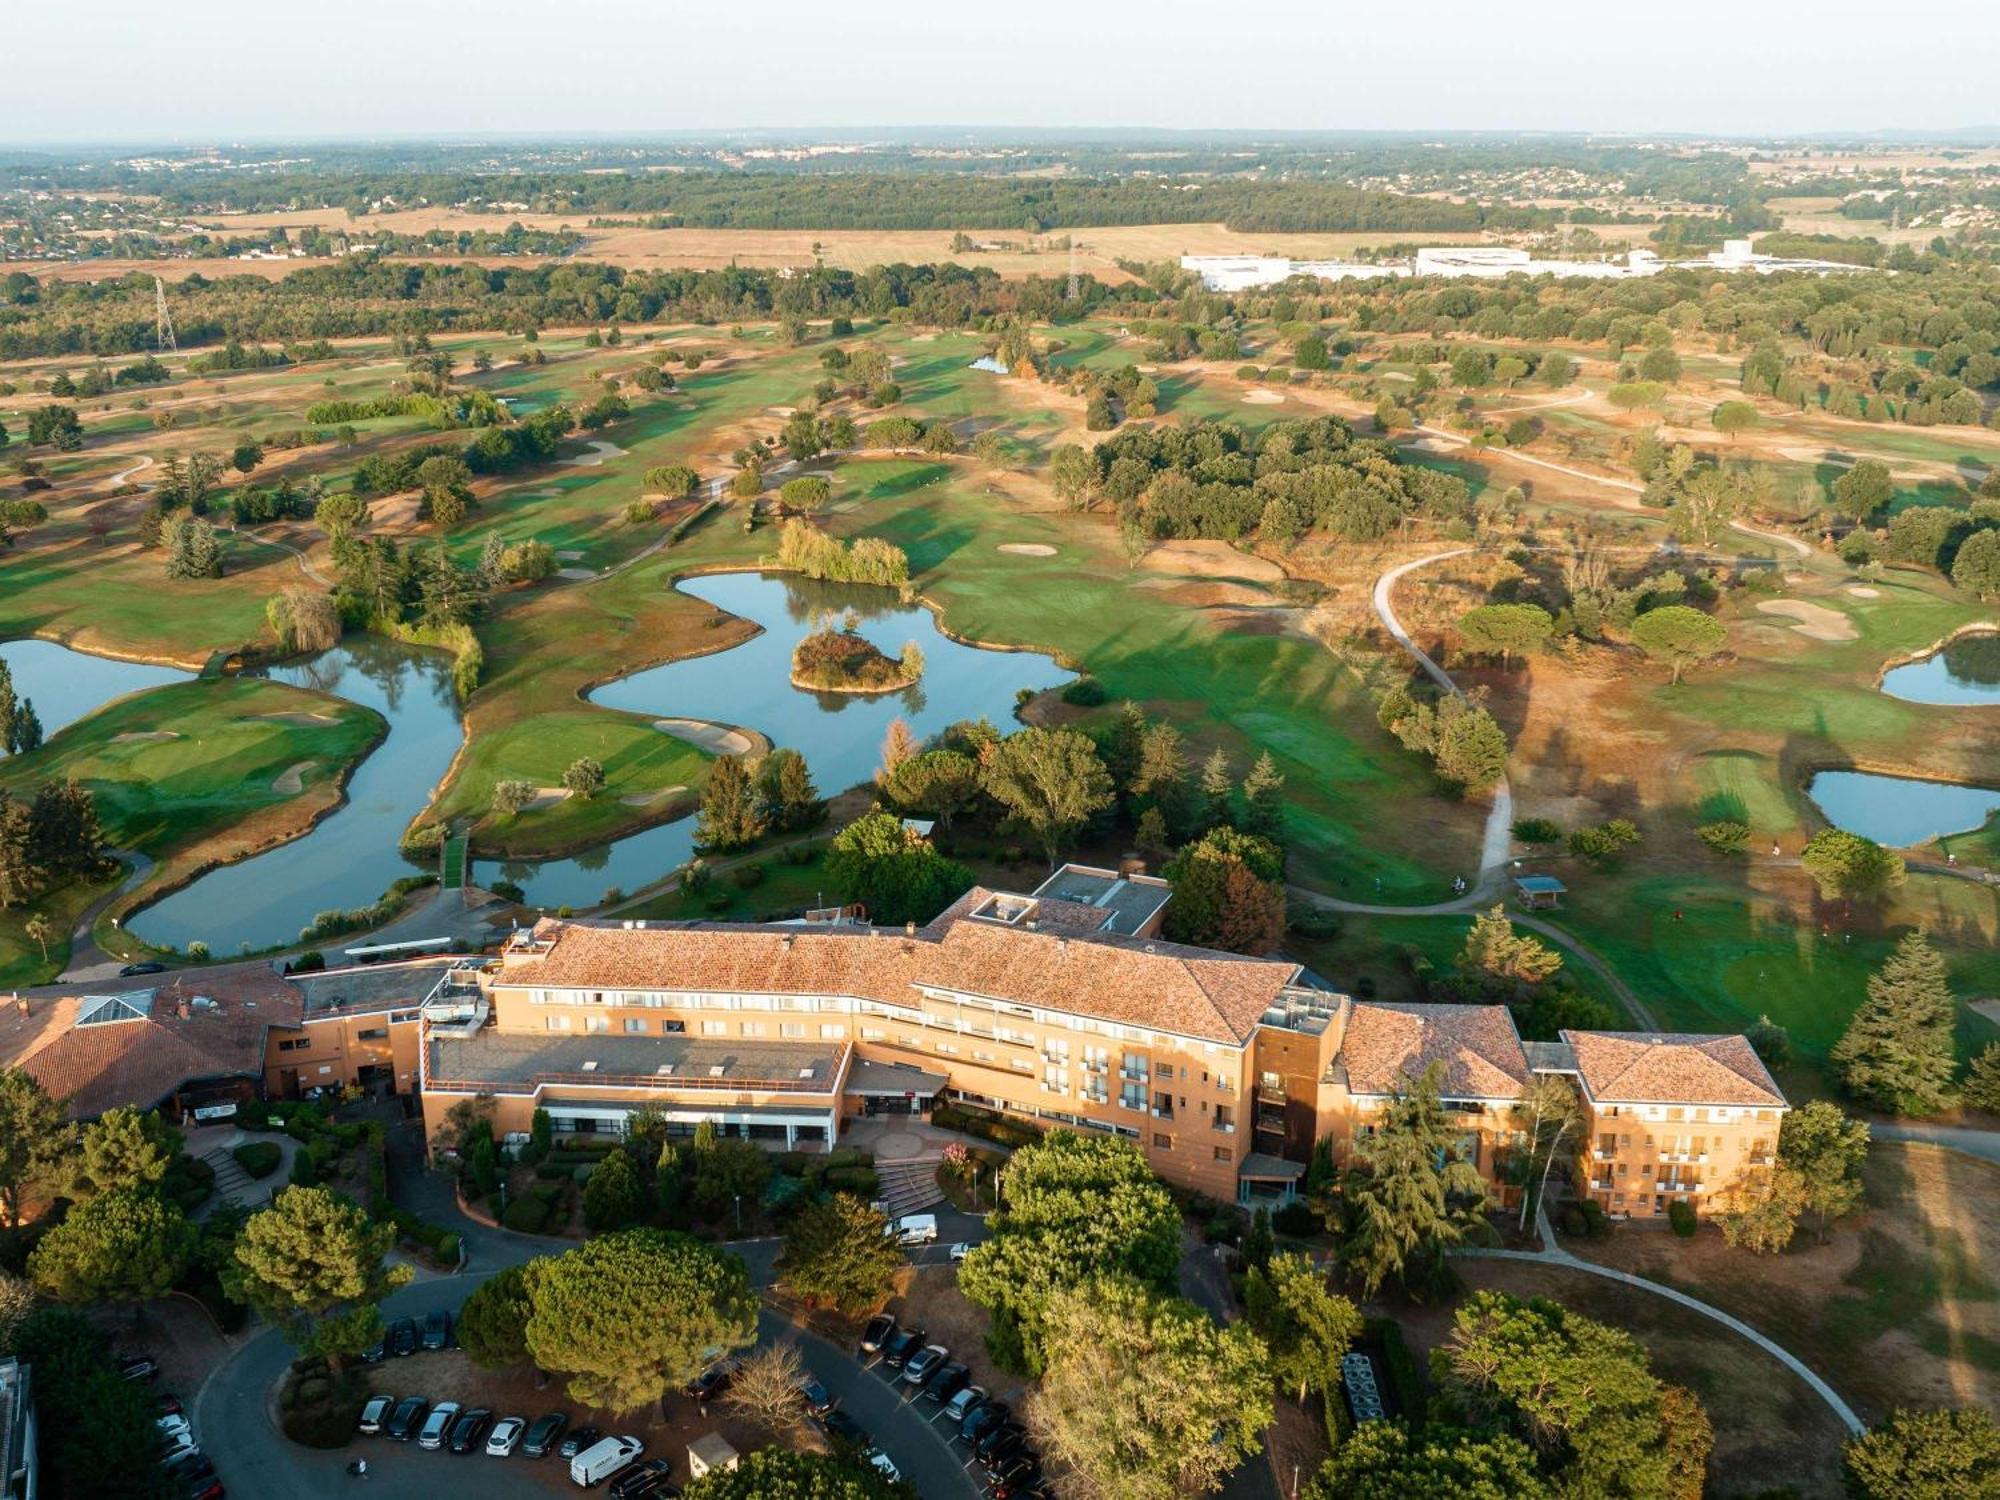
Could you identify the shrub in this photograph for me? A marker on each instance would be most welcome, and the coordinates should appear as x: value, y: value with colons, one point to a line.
x: 1085, y: 692
x: 1405, y: 1379
x: 1537, y: 831
x: 1296, y: 1218
x: 1724, y: 837
x: 526, y: 1215
x: 1570, y: 1221
x: 747, y: 877
x: 1681, y: 1217
x: 259, y: 1158
x: 581, y: 1174
x: 860, y: 1181
x: 1595, y: 1223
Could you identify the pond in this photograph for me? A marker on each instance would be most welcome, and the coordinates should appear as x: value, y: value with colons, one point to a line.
x: 66, y: 684
x: 351, y: 856
x: 1967, y: 671
x: 1900, y: 811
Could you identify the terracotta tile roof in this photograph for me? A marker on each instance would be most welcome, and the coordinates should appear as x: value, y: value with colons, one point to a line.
x: 1052, y: 914
x: 1478, y: 1045
x: 1665, y: 1067
x: 1192, y: 991
x: 142, y: 1061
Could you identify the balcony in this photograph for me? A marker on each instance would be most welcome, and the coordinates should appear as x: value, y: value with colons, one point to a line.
x: 1096, y: 1065
x: 1600, y: 1187
x: 1135, y: 1075
x: 1226, y: 1127
x: 1602, y: 1155
x: 1093, y: 1098
x: 1163, y: 1111
x: 1677, y: 1185
x: 1762, y: 1159
x: 1270, y: 1093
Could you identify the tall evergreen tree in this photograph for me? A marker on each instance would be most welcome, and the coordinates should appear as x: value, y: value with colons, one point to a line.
x: 1263, y: 800
x: 731, y: 815
x: 1897, y: 1052
x: 1409, y: 1195
x: 10, y: 709
x: 1217, y: 809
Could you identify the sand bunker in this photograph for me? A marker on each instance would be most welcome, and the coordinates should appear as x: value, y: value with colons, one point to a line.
x: 1815, y: 621
x: 138, y: 737
x: 1862, y: 591
x: 716, y: 739
x: 1026, y: 549
x: 569, y: 554
x: 578, y: 573
x: 646, y: 799
x: 304, y: 720
x: 1989, y: 1008
x: 292, y: 780
x: 1210, y: 560
x: 548, y: 796
x: 599, y: 451
x: 1263, y: 398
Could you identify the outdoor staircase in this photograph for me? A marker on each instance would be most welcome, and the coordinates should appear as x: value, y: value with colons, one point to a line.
x: 231, y: 1181
x: 908, y: 1187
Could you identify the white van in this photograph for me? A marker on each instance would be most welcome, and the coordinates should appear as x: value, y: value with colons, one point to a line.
x: 600, y: 1461
x: 915, y: 1229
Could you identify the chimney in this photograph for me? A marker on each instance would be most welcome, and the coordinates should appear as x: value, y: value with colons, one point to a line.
x: 182, y: 1009
x: 20, y: 1002
x: 909, y: 929
x: 786, y: 942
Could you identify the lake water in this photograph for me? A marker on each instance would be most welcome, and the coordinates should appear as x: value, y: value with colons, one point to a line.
x: 1900, y: 811
x: 64, y: 685
x: 1966, y: 672
x: 351, y: 856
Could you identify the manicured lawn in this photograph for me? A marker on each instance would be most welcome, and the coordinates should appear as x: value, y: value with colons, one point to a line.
x: 21, y: 960
x: 781, y: 889
x: 1376, y: 956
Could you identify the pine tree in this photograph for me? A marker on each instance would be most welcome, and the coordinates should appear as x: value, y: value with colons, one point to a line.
x: 1216, y: 789
x: 27, y: 729
x: 731, y: 814
x: 1897, y: 1052
x: 492, y: 561
x: 10, y: 709
x: 20, y: 877
x: 898, y: 745
x: 1263, y: 800
x: 1982, y: 1080
x: 1410, y: 1197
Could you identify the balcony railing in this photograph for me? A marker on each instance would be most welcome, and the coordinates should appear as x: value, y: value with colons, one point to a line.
x: 1601, y: 1187
x: 1271, y: 1094
x: 1227, y: 1127
x: 1096, y: 1065
x: 1135, y: 1075
x: 1600, y: 1154
x: 1678, y: 1185
x: 1163, y: 1111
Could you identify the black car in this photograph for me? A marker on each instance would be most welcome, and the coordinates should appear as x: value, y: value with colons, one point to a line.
x: 982, y: 1420
x: 437, y: 1330
x: 711, y: 1382
x: 579, y: 1439
x: 877, y: 1333
x: 407, y: 1418
x: 816, y: 1397
x: 643, y: 1478
x: 543, y: 1434
x: 149, y: 967
x: 403, y: 1337
x: 947, y: 1382
x: 1000, y: 1445
x: 1021, y: 1475
x: 138, y: 1367
x: 378, y: 1351
x: 901, y: 1345
x: 840, y: 1428
x: 469, y: 1431
x: 191, y: 1465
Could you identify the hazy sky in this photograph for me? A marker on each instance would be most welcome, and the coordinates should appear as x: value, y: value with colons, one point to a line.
x: 205, y: 70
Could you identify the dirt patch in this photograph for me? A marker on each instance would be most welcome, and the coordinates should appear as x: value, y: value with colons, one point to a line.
x: 568, y: 554
x: 1862, y: 591
x: 1262, y: 398
x: 1269, y: 619
x: 599, y: 451
x: 139, y: 737
x: 578, y: 574
x: 1026, y: 549
x: 548, y: 796
x: 931, y: 1301
x: 1815, y: 621
x: 1210, y: 560
x: 716, y: 739
x: 1206, y: 595
x: 291, y: 781
x: 647, y: 799
x: 1988, y: 1007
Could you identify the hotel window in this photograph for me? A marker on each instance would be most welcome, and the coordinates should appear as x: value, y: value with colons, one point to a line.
x: 1165, y: 1070
x: 1020, y: 1065
x: 791, y: 1028
x: 832, y: 1032
x: 635, y: 1025
x: 297, y: 1044
x: 948, y: 1048
x: 596, y: 1023
x: 753, y: 1028
x: 1162, y: 1142
x: 872, y: 1033
x: 1223, y: 1153
x: 715, y: 1028
x: 372, y: 1034
x: 673, y: 1028
x: 556, y: 1023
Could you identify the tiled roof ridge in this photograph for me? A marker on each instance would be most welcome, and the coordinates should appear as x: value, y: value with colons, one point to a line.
x: 1727, y: 1051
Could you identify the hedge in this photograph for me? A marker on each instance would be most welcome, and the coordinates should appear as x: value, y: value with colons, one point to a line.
x: 526, y: 1215
x: 259, y: 1158
x: 986, y: 1126
x: 1405, y: 1379
x: 861, y: 1181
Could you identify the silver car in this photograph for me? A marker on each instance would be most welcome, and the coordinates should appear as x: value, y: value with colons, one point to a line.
x: 438, y: 1425
x: 505, y: 1437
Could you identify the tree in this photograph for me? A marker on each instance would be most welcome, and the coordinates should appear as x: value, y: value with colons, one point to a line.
x: 785, y: 783
x: 937, y: 784
x: 192, y: 548
x: 1976, y: 569
x: 1678, y: 635
x: 1732, y: 417
x: 1470, y: 750
x: 808, y: 494
x: 17, y: 1301
x: 775, y: 1474
x: 124, y: 1246
x: 1305, y: 1325
x: 1631, y: 395
x: 1546, y: 1116
x: 446, y: 484
x: 124, y: 1151
x: 896, y: 873
x: 1828, y: 1151
x: 1947, y: 1454
x: 1263, y: 799
x: 1144, y: 1397
x: 1982, y: 1080
x: 493, y: 1322
x: 312, y: 1263
x: 1495, y: 952
x: 1764, y: 1212
x: 39, y: 932
x: 837, y: 1252
x: 726, y: 1172
x: 1072, y: 475
x: 1228, y: 893
x: 899, y: 743
x: 1216, y: 789
x: 1385, y: 1461
x: 246, y: 457
x: 77, y: 1390
x: 765, y: 1391
x: 35, y: 1140
x: 304, y: 620
x: 1409, y: 1196
x: 57, y: 426
x: 512, y: 797
x: 627, y: 1316
x: 584, y: 778
x: 1050, y: 779
x: 1863, y: 489
x: 1848, y: 867
x: 732, y: 815
x: 341, y: 516
x: 613, y: 1195
x: 1073, y: 1207
x: 1897, y: 1053
x: 675, y: 481
x: 1505, y: 628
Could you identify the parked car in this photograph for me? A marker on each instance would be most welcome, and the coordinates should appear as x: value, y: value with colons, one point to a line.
x: 544, y: 1433
x: 437, y: 1426
x: 901, y: 1345
x: 506, y: 1437
x: 169, y: 1405
x: 191, y: 1465
x: 968, y: 1399
x: 138, y: 1367
x: 816, y: 1397
x: 947, y: 1382
x: 915, y: 1229
x: 403, y: 1337
x: 437, y: 1330
x: 1000, y: 1444
x: 602, y: 1459
x: 925, y: 1363
x: 976, y: 1423
x: 406, y: 1418
x: 577, y: 1441
x: 375, y: 1412
x: 208, y: 1487
x: 147, y: 967
x: 878, y: 1332
x: 711, y: 1382
x: 378, y: 1351
x: 959, y: 1251
x: 641, y: 1479
x: 1020, y: 1475
x: 884, y: 1466
x: 468, y: 1433
x: 840, y: 1428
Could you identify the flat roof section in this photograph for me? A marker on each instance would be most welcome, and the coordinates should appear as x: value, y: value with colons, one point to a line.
x: 374, y: 986
x: 514, y: 1062
x: 1128, y: 901
x: 892, y: 1080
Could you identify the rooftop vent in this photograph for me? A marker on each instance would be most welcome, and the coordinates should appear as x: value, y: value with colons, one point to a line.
x: 664, y: 1070
x: 716, y: 1070
x: 590, y: 1065
x: 806, y: 1072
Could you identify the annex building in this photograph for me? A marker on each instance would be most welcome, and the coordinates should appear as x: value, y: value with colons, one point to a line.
x: 1062, y: 1006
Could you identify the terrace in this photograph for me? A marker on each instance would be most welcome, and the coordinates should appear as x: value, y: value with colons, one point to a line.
x: 516, y: 1063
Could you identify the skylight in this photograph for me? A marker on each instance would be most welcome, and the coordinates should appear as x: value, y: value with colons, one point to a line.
x: 102, y: 1010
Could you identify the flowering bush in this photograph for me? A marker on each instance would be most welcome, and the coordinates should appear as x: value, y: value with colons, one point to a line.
x: 958, y: 1159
